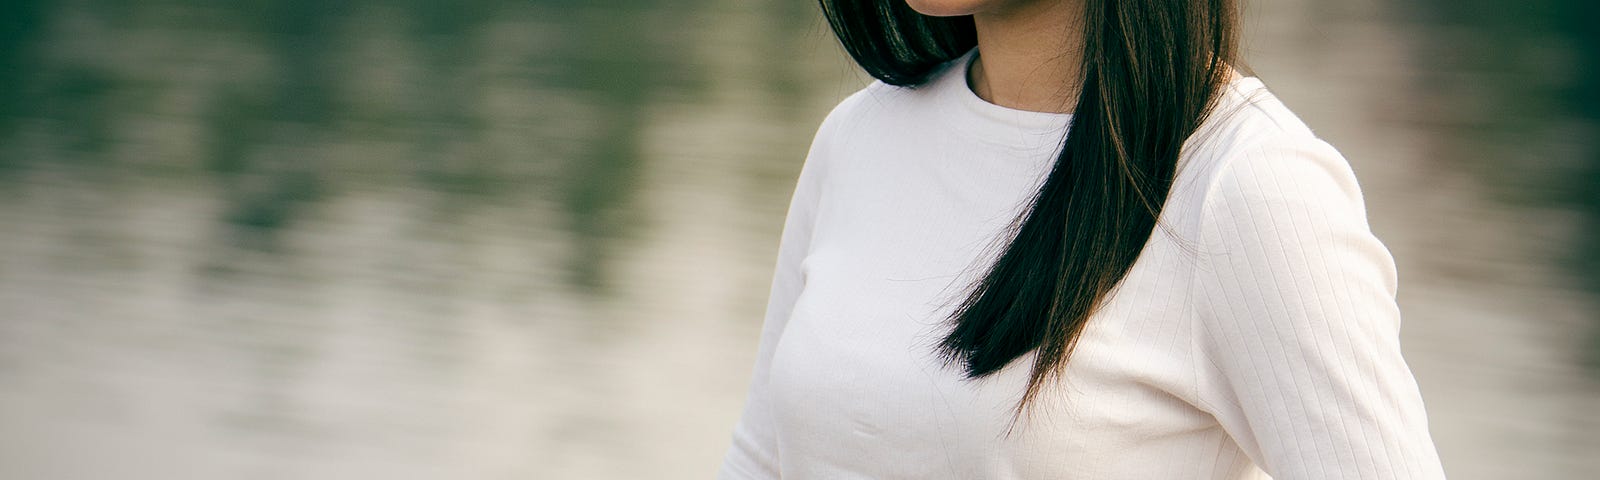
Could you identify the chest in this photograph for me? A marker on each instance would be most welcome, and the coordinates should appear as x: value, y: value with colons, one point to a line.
x: 855, y: 373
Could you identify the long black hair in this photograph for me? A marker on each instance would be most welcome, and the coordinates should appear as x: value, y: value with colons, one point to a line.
x: 1151, y: 72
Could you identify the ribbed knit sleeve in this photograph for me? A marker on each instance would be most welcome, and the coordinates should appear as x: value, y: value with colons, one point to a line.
x: 1298, y: 329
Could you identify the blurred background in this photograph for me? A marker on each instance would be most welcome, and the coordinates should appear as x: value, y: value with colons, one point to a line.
x: 308, y: 239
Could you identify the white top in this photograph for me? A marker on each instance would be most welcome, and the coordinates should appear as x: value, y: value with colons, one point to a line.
x: 1258, y: 336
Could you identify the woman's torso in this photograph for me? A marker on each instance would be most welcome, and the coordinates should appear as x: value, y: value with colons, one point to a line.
x: 922, y: 184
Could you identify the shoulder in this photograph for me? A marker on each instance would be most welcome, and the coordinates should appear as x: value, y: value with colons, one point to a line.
x: 834, y: 132
x: 874, y: 102
x: 882, y: 107
x: 1274, y: 201
x: 874, y: 108
x: 1253, y: 151
x: 1265, y: 195
x: 850, y: 110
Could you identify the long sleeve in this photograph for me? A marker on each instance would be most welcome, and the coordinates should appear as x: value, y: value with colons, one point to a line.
x: 753, y: 453
x: 1298, y: 336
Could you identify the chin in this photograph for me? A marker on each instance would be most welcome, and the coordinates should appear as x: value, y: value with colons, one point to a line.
x: 947, y: 8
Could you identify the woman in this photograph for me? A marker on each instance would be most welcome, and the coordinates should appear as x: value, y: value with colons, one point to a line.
x: 1159, y: 271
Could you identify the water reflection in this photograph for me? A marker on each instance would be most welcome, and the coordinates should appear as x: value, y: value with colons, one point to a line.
x: 19, y: 34
x: 1516, y: 92
x: 307, y: 239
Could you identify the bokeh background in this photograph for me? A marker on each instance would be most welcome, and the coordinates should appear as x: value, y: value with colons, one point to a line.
x: 318, y: 239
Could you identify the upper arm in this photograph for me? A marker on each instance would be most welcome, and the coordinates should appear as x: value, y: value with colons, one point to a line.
x: 1299, y: 328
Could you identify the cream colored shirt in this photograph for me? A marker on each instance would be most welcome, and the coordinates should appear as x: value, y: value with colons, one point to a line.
x: 1258, y: 336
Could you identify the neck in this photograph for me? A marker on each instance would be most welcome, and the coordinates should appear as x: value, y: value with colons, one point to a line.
x: 1029, y: 55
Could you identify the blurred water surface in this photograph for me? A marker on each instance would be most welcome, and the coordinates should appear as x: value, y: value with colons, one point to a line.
x: 491, y: 239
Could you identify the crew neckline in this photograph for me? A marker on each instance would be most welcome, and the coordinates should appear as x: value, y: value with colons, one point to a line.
x: 966, y: 60
x: 973, y: 116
